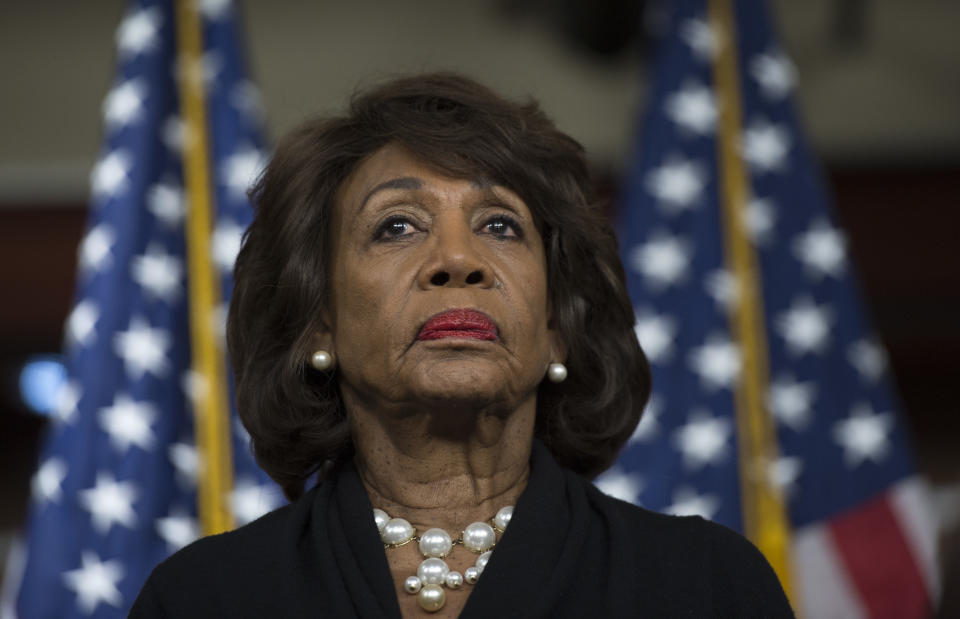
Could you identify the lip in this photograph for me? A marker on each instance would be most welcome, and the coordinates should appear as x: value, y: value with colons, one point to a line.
x: 459, y: 323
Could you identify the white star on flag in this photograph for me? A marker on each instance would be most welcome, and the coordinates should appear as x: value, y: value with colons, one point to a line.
x: 124, y: 103
x: 703, y: 439
x: 186, y: 462
x: 174, y: 134
x: 206, y: 68
x: 177, y: 530
x: 240, y: 432
x: 663, y: 260
x: 45, y: 485
x: 677, y: 185
x: 128, y: 423
x: 226, y: 243
x: 109, y: 175
x: 143, y: 349
x: 703, y: 40
x: 95, y: 248
x: 65, y: 403
x: 648, y: 428
x: 783, y: 474
x: 775, y: 74
x: 158, y: 273
x: 765, y: 146
x: 655, y: 332
x: 109, y: 502
x: 194, y: 385
x: 822, y: 250
x: 722, y: 286
x: 249, y: 500
x: 791, y: 402
x: 246, y: 97
x: 864, y: 435
x: 138, y: 32
x: 693, y: 108
x: 759, y: 219
x: 805, y: 327
x: 215, y: 9
x: 686, y: 502
x: 82, y: 322
x: 167, y: 203
x: 241, y: 169
x: 94, y: 582
x: 717, y: 362
x: 620, y: 485
x: 869, y: 358
x: 211, y: 64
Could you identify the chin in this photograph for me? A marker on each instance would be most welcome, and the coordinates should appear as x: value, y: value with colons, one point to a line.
x: 463, y: 384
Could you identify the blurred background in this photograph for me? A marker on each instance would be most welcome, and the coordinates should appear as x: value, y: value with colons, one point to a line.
x: 879, y: 90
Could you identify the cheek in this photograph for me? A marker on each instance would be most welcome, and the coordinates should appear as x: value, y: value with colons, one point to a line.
x: 368, y: 310
x: 358, y: 307
x: 530, y: 294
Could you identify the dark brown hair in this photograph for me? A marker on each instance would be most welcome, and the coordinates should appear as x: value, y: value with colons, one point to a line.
x: 294, y: 414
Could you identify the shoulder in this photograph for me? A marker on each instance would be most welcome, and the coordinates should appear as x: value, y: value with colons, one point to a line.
x: 251, y: 557
x: 654, y: 529
x: 661, y: 536
x: 689, y: 555
x: 742, y: 577
x: 258, y: 540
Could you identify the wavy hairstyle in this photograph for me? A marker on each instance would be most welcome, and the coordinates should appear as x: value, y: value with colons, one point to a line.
x: 295, y: 415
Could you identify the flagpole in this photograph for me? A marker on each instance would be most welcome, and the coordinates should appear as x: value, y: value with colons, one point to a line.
x: 764, y: 513
x: 215, y: 477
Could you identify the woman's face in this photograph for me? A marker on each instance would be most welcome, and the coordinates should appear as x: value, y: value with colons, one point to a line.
x: 411, y: 244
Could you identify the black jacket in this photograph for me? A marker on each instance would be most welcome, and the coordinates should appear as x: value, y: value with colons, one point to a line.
x: 570, y: 551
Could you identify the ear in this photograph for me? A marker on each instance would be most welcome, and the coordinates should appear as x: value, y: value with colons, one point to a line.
x: 323, y: 336
x: 322, y: 341
x: 558, y: 348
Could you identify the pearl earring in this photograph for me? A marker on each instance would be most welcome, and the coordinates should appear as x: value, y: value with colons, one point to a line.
x: 321, y: 360
x: 557, y: 372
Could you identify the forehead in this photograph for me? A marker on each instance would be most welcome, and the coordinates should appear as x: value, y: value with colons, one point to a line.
x: 390, y: 161
x: 397, y: 167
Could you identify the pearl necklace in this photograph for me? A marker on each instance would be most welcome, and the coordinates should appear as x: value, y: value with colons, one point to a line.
x: 435, y: 544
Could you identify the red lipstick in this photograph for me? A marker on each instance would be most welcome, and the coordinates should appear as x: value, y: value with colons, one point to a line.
x: 461, y: 323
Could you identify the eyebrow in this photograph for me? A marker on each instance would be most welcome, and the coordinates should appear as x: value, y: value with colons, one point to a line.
x: 413, y: 183
x: 404, y: 182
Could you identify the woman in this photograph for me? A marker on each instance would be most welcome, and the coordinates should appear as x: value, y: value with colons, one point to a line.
x: 429, y: 313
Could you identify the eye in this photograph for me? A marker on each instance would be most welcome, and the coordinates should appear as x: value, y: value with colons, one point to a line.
x: 504, y: 227
x: 394, y: 227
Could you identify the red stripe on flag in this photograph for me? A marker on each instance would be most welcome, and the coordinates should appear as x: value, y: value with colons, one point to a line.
x: 879, y: 561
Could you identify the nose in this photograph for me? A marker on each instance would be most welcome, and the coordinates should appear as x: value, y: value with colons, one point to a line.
x: 455, y: 258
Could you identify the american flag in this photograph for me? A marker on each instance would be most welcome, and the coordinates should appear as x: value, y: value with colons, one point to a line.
x: 116, y: 488
x: 834, y: 464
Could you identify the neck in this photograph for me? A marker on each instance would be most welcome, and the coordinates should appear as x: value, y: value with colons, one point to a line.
x: 442, y: 467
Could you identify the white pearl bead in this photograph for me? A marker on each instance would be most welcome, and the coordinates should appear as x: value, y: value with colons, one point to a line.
x: 471, y: 574
x: 433, y: 571
x: 397, y: 531
x: 321, y: 360
x: 479, y: 536
x: 435, y: 543
x: 412, y: 584
x: 502, y: 519
x: 431, y: 598
x: 454, y: 579
x: 380, y: 517
x: 557, y: 372
x: 483, y: 559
